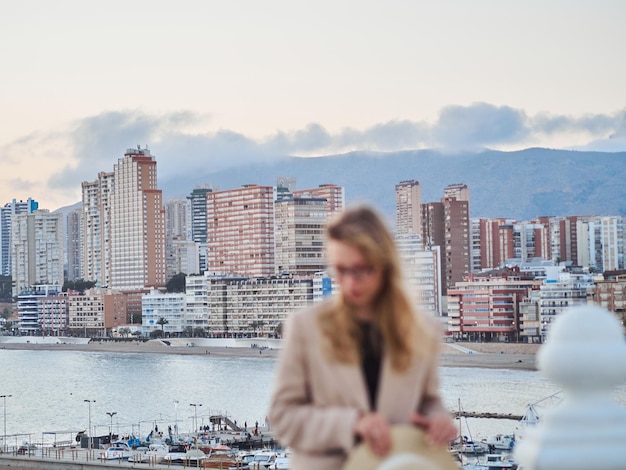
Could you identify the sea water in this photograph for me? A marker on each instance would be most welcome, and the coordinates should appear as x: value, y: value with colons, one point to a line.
x: 60, y: 392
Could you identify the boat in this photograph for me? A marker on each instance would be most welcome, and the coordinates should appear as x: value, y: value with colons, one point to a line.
x: 116, y: 451
x: 194, y: 457
x: 281, y: 463
x: 263, y: 460
x: 221, y: 456
x: 464, y: 445
x: 492, y: 462
x: 138, y: 454
x: 153, y: 454
x: 175, y: 454
x: 500, y: 442
x: 242, y: 460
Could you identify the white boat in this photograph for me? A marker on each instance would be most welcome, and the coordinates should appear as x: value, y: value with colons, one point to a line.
x: 175, y: 454
x: 153, y: 454
x: 500, y: 442
x: 263, y: 460
x: 466, y: 446
x: 116, y: 451
x: 281, y: 463
x: 492, y: 462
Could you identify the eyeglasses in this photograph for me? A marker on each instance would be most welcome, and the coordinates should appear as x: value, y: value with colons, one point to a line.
x: 356, y: 272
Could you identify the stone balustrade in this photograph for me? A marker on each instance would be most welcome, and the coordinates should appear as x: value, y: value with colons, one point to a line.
x: 586, y: 355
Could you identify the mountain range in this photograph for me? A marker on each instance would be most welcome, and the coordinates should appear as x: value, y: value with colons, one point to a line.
x: 518, y: 185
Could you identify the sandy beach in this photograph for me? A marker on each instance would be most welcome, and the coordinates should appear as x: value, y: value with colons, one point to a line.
x: 485, y: 355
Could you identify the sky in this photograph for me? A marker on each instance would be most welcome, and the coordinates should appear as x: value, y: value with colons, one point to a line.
x: 216, y: 84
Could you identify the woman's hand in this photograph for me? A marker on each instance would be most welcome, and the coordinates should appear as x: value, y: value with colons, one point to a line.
x: 374, y: 429
x: 439, y: 427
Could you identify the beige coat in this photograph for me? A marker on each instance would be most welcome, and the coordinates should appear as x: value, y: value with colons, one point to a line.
x: 315, y: 402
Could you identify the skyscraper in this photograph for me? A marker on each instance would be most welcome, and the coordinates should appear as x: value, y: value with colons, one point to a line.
x: 240, y: 231
x: 335, y: 196
x: 74, y: 244
x: 177, y: 231
x: 300, y: 237
x: 409, y: 208
x: 36, y: 250
x: 6, y: 213
x: 447, y: 224
x: 137, y: 223
x: 96, y: 226
x: 198, y: 222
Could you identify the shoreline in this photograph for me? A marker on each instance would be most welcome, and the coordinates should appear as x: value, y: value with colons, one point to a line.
x: 477, y: 355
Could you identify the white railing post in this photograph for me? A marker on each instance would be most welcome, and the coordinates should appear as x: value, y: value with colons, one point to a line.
x: 586, y: 355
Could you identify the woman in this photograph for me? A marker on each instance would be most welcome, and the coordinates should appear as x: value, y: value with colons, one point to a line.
x: 361, y: 361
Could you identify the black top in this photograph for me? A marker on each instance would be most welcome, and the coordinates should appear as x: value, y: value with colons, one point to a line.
x: 371, y: 359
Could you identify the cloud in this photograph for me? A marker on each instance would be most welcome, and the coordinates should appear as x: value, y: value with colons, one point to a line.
x: 184, y: 143
x: 479, y: 125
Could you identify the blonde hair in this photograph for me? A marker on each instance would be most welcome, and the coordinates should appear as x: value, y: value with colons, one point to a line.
x: 394, y: 315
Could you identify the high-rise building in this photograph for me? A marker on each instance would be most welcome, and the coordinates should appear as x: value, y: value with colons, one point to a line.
x: 198, y: 202
x: 36, y: 250
x: 335, y: 196
x: 447, y: 224
x: 137, y: 224
x: 74, y: 244
x: 177, y: 229
x: 96, y: 229
x: 240, y: 231
x: 422, y: 271
x: 198, y: 222
x: 409, y: 208
x: 299, y: 233
x: 6, y: 213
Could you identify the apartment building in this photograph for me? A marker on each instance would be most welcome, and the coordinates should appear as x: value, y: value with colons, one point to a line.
x: 96, y: 229
x: 164, y: 312
x: 36, y: 250
x: 610, y: 293
x: 7, y: 213
x: 409, y: 208
x: 74, y: 237
x: 422, y: 272
x: 299, y: 234
x: 177, y: 231
x: 28, y: 307
x: 561, y: 290
x: 240, y: 231
x: 137, y: 224
x: 447, y: 224
x: 486, y: 307
x: 334, y: 195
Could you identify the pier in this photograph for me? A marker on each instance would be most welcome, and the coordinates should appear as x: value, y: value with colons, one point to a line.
x: 476, y: 414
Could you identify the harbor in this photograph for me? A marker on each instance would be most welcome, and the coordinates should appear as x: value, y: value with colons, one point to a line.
x: 131, y: 393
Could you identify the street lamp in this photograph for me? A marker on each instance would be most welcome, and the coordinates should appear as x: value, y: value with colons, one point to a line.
x: 89, y: 429
x: 111, y: 414
x: 195, y: 406
x: 4, y: 439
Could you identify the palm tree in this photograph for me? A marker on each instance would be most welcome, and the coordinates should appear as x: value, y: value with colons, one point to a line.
x: 162, y: 321
x: 257, y: 324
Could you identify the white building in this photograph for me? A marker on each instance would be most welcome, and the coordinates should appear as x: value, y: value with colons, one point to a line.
x: 36, y: 250
x: 28, y: 307
x: 6, y: 214
x: 601, y: 243
x: 560, y: 291
x: 422, y: 269
x: 164, y: 312
x: 241, y: 306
